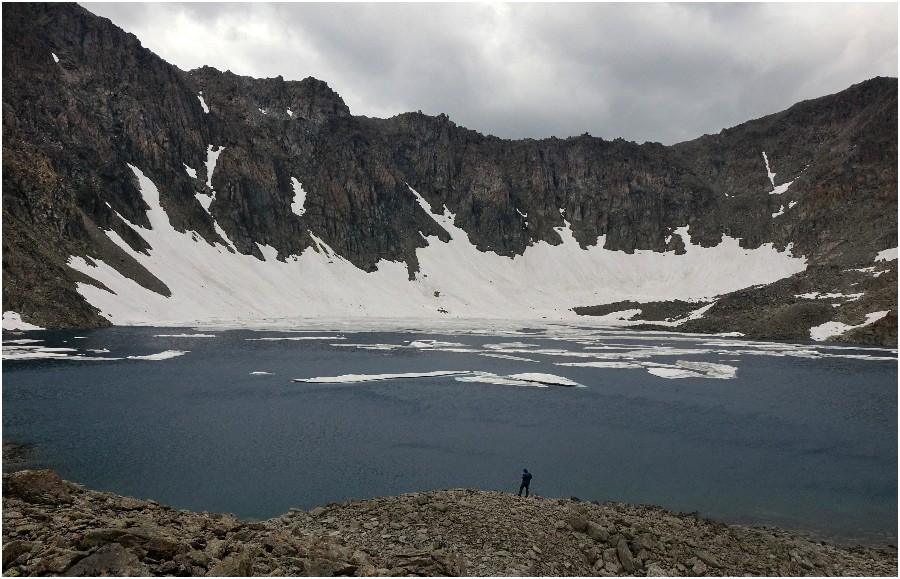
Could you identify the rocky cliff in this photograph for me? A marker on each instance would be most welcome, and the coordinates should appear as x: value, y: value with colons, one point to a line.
x: 276, y: 171
x: 55, y: 527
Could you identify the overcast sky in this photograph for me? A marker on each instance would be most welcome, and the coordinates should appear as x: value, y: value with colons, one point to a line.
x: 644, y: 72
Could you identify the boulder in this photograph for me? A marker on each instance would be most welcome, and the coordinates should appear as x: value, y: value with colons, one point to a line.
x: 626, y: 558
x: 42, y: 487
x: 110, y: 560
x: 234, y: 565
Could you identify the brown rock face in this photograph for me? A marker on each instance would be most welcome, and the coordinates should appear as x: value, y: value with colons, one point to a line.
x: 83, y: 100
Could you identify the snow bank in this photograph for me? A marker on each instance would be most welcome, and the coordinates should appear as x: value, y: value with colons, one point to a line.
x: 887, y: 255
x: 836, y: 329
x: 210, y: 284
x: 13, y: 321
x: 299, y: 201
x: 203, y: 102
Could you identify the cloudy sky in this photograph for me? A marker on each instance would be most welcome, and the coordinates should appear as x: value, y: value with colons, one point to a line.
x: 645, y: 72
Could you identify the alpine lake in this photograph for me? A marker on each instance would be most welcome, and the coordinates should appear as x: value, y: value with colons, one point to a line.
x: 798, y: 435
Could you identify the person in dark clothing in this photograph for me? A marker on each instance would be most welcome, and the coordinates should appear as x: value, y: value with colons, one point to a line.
x: 526, y: 480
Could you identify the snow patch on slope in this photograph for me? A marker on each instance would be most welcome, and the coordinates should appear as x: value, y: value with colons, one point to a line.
x: 836, y: 329
x: 210, y: 284
x: 776, y: 189
x: 297, y: 204
x: 203, y: 102
x: 887, y: 255
x: 13, y: 321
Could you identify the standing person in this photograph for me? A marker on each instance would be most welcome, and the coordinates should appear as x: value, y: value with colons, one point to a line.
x: 526, y: 480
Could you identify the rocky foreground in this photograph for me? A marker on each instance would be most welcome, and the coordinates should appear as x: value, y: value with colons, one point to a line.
x: 55, y: 527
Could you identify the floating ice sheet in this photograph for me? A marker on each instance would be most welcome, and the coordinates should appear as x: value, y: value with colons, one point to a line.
x: 354, y: 378
x: 161, y: 355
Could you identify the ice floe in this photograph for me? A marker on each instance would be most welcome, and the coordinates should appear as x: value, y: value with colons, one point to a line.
x: 184, y: 335
x: 506, y: 357
x: 544, y: 379
x: 354, y: 378
x: 294, y: 338
x: 160, y: 355
x: 32, y: 352
x: 260, y: 373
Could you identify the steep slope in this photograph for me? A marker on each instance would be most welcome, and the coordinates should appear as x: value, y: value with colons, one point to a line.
x: 134, y: 192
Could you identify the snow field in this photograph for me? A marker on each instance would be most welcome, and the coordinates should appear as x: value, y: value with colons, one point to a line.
x: 211, y: 284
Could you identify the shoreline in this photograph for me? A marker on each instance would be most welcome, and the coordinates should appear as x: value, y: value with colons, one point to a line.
x: 52, y: 526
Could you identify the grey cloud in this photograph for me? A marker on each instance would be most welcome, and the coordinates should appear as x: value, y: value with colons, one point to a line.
x: 658, y: 72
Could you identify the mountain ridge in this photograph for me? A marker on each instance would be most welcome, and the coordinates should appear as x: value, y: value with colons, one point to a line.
x: 230, y: 155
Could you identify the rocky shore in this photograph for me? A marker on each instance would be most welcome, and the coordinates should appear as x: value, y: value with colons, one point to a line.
x: 56, y: 527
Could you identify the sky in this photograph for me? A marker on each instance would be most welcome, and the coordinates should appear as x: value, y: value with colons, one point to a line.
x: 641, y: 71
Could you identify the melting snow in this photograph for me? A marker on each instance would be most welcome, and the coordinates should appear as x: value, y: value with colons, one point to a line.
x: 190, y: 171
x: 887, y: 255
x: 836, y: 329
x: 299, y: 197
x: 821, y: 296
x: 55, y: 58
x: 290, y: 113
x: 354, y: 378
x: 209, y: 283
x: 203, y: 102
x: 161, y: 355
x: 295, y: 338
x: 544, y: 379
x: 212, y: 157
x: 776, y: 189
x: 13, y: 321
x: 184, y: 336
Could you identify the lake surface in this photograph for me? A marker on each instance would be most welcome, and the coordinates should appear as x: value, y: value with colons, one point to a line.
x: 798, y: 435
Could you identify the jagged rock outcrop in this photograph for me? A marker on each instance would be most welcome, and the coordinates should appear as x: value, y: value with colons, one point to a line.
x: 55, y: 527
x: 83, y: 100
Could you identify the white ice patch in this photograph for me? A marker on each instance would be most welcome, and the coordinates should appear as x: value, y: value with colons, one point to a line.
x: 261, y: 374
x: 297, y: 204
x: 263, y: 112
x: 489, y: 378
x: 166, y: 355
x: 831, y: 296
x: 295, y: 338
x: 544, y: 379
x: 887, y: 255
x: 602, y: 364
x: 184, y: 336
x: 779, y: 212
x: 55, y: 58
x: 190, y: 171
x: 33, y: 352
x: 507, y: 357
x: 776, y: 189
x: 836, y: 329
x: 355, y: 378
x: 203, y: 102
x: 290, y: 113
x: 13, y: 321
x: 212, y: 157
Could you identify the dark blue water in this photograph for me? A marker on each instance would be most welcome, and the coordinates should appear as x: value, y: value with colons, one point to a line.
x: 800, y: 442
